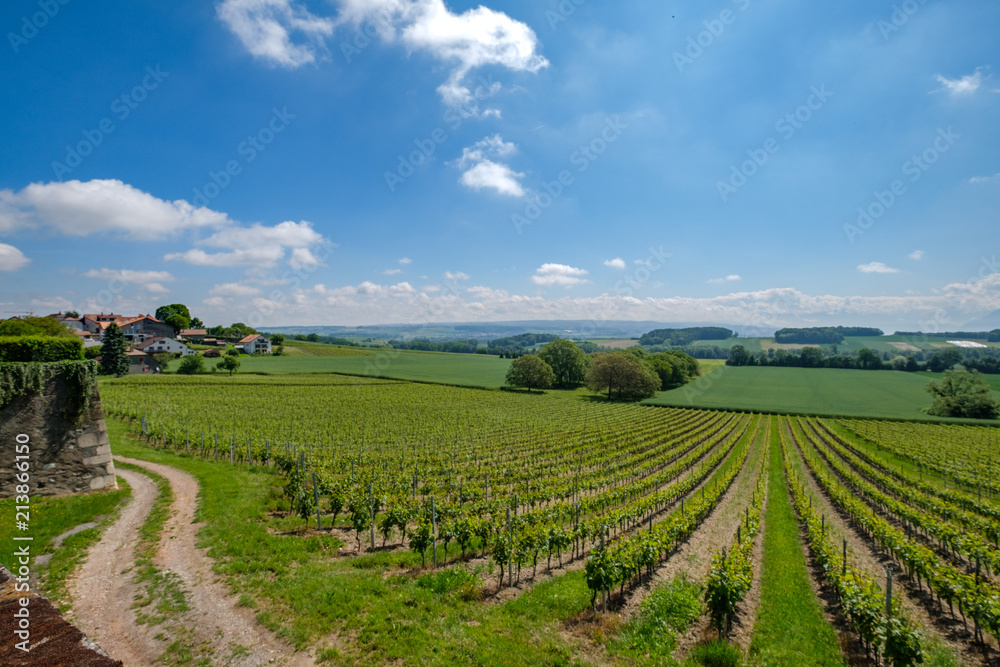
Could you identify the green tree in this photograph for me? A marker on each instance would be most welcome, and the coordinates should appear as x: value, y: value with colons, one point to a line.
x: 963, y: 394
x: 569, y: 363
x: 114, y: 361
x: 163, y: 359
x: 176, y: 315
x: 738, y: 356
x: 196, y: 323
x: 231, y: 364
x: 944, y: 360
x: 811, y: 357
x: 313, y: 338
x: 34, y: 326
x: 684, y: 367
x: 278, y: 339
x: 622, y: 373
x: 530, y: 372
x: 71, y: 314
x: 869, y: 360
x: 192, y: 365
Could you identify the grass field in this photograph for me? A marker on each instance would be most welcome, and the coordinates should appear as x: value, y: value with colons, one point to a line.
x: 469, y: 370
x: 299, y: 348
x: 885, y: 394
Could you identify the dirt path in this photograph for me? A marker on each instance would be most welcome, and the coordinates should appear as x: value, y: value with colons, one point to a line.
x: 213, y: 617
x: 862, y: 556
x: 102, y: 592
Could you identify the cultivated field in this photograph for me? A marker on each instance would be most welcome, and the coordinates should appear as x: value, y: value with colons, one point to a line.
x: 459, y: 526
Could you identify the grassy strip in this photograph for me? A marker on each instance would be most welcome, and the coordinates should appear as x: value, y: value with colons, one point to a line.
x: 668, y: 611
x: 51, y: 517
x: 790, y: 627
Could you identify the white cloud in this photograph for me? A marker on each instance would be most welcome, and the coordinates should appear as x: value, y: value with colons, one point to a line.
x: 405, y: 260
x: 11, y: 259
x: 495, y: 113
x: 76, y: 208
x: 286, y: 33
x: 876, y: 267
x: 966, y: 85
x: 732, y: 278
x: 559, y: 274
x: 475, y: 38
x: 917, y: 255
x: 975, y: 180
x: 392, y: 272
x: 616, y: 263
x: 155, y: 288
x: 234, y: 289
x: 457, y: 275
x: 303, y: 258
x: 131, y: 277
x: 280, y: 32
x: 264, y: 257
x: 257, y: 245
x: 482, y: 171
x: 499, y: 177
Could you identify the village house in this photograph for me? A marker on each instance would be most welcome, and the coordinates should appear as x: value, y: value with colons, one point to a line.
x: 136, y: 329
x: 167, y: 345
x: 140, y: 362
x: 255, y: 344
x: 193, y: 335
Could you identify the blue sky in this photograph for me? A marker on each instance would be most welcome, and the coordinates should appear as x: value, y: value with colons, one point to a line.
x: 350, y: 162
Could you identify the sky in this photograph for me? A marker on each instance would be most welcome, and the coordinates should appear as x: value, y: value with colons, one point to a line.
x: 349, y: 162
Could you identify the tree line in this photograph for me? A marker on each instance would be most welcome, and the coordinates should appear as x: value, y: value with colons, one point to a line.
x: 630, y: 374
x: 984, y: 361
x: 822, y: 335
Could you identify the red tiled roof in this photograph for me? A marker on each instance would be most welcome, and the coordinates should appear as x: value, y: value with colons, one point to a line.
x: 249, y: 339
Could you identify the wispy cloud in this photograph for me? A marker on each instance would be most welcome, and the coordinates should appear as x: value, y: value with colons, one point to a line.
x: 983, y: 179
x: 966, y: 85
x: 876, y: 267
x: 732, y: 278
x: 483, y: 171
x: 11, y: 259
x: 917, y: 255
x: 616, y: 263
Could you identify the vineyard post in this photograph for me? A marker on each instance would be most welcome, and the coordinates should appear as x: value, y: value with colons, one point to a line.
x: 232, y: 450
x: 267, y: 448
x: 844, y: 572
x: 319, y: 522
x: 604, y: 591
x: 487, y: 487
x: 434, y: 530
x: 888, y: 591
x: 371, y: 506
x: 822, y: 525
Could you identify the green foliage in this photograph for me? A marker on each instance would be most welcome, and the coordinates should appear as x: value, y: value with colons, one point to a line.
x: 531, y: 372
x: 277, y: 339
x: 622, y: 374
x: 231, y: 364
x: 738, y: 356
x: 21, y: 379
x: 717, y: 653
x: 869, y: 360
x: 114, y: 361
x: 944, y: 360
x: 568, y: 362
x: 446, y: 581
x: 176, y: 315
x: 686, y: 336
x: 34, y: 326
x: 163, y: 359
x: 191, y: 365
x: 963, y: 394
x: 40, y: 348
x: 668, y: 611
x: 421, y: 539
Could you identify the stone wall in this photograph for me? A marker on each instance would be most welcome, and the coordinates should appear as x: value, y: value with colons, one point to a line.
x: 68, y: 453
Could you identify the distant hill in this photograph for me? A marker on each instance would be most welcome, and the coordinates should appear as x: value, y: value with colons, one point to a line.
x: 985, y: 323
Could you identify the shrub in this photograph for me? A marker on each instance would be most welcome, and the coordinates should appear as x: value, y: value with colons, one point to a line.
x: 717, y: 654
x: 191, y: 366
x: 40, y: 348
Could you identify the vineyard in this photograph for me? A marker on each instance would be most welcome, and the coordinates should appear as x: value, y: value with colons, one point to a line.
x: 506, y: 497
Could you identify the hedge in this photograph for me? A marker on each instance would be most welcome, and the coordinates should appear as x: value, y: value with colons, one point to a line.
x: 40, y: 348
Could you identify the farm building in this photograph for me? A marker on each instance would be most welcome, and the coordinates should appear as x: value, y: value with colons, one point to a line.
x: 255, y: 344
x: 168, y: 345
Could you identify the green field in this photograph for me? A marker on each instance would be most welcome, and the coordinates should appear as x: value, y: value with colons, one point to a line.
x: 468, y: 370
x: 821, y: 391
